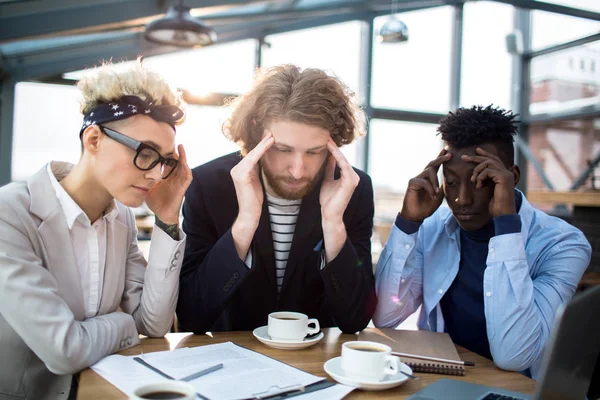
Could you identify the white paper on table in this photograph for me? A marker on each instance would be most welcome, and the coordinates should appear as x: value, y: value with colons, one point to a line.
x: 245, y: 373
x: 124, y: 373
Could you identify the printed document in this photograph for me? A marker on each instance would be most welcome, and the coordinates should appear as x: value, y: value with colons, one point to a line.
x: 245, y: 373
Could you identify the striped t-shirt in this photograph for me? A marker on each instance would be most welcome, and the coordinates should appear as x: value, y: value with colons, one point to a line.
x: 283, y: 215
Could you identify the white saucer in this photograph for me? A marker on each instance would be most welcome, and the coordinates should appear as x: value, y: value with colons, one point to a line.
x: 334, y: 368
x: 262, y: 335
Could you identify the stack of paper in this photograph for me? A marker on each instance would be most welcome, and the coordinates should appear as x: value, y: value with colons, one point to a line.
x: 245, y: 373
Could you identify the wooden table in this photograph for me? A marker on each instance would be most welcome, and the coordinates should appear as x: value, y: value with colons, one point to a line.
x: 311, y: 360
x: 586, y: 199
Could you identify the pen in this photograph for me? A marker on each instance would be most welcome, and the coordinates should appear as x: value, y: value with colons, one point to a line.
x: 187, y: 378
x: 202, y: 373
x: 444, y: 360
x: 158, y: 371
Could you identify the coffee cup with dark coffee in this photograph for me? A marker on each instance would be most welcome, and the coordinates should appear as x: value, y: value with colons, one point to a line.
x: 368, y: 361
x: 291, y: 326
x: 173, y: 390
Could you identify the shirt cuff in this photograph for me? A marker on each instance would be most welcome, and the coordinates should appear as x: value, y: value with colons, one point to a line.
x: 320, y: 248
x: 323, y: 259
x: 406, y: 226
x: 171, y: 230
x: 248, y: 260
x: 506, y: 224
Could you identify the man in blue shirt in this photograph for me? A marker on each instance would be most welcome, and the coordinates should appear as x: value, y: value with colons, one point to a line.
x: 490, y: 270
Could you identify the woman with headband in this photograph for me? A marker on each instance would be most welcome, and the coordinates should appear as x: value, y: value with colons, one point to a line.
x: 74, y: 286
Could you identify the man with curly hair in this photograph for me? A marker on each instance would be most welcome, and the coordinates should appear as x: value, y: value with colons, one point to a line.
x: 284, y: 224
x: 490, y: 270
x: 74, y: 285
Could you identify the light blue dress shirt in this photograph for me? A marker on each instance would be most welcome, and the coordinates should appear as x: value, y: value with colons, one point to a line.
x: 528, y: 275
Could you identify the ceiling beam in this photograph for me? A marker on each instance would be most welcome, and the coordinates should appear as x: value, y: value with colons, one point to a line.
x: 586, y: 112
x: 25, y: 19
x: 563, y: 46
x: 404, y: 115
x: 34, y: 18
x: 75, y: 55
x: 553, y: 8
x: 31, y: 19
x: 40, y: 59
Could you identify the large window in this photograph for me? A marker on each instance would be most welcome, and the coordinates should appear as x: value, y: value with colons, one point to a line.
x: 201, y: 135
x: 398, y: 152
x: 46, y: 127
x: 549, y: 29
x: 223, y: 68
x: 565, y: 80
x: 590, y: 5
x: 486, y: 65
x: 564, y: 150
x: 334, y: 48
x: 415, y: 75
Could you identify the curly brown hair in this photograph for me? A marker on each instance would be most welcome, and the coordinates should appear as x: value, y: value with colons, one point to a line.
x: 286, y: 92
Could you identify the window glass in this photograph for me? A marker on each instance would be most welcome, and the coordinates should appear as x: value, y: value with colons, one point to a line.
x: 486, y: 65
x: 414, y: 75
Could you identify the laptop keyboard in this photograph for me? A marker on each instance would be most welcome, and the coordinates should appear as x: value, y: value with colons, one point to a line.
x: 496, y: 396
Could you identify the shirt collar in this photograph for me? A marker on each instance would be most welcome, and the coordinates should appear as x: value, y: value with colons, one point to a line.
x: 111, y: 211
x: 450, y: 224
x: 527, y: 214
x: 283, y: 201
x: 70, y: 208
x: 525, y: 211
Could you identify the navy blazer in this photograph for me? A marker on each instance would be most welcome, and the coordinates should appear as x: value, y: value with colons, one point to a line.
x: 218, y: 292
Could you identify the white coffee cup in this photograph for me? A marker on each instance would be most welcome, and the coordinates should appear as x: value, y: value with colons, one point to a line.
x: 291, y: 326
x: 368, y: 361
x: 153, y: 390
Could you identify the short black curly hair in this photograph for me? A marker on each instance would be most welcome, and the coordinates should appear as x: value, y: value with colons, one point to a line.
x: 466, y: 127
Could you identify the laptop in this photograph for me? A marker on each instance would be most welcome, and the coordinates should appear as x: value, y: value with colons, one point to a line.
x: 567, y: 366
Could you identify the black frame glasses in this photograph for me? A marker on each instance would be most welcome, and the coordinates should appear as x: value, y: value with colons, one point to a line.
x: 143, y: 151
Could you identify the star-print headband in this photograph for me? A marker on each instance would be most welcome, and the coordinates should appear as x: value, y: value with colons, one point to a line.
x: 128, y: 106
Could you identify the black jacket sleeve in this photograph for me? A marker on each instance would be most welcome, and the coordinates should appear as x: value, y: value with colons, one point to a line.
x: 348, y: 278
x: 212, y: 270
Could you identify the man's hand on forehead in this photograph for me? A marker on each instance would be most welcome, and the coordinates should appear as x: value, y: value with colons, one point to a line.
x: 490, y: 167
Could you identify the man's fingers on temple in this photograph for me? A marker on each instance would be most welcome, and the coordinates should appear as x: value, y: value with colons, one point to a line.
x: 433, y: 179
x: 439, y: 161
x: 256, y: 153
x: 481, y: 151
x: 483, y: 176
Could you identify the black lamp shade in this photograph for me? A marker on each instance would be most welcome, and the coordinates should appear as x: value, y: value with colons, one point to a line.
x: 179, y: 28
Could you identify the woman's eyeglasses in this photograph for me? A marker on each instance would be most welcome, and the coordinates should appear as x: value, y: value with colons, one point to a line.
x: 146, y: 157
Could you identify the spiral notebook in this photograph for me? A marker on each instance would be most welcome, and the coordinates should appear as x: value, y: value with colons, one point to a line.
x: 424, y: 343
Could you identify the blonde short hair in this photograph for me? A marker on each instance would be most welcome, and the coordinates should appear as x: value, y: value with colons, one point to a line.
x: 110, y: 82
x: 286, y: 92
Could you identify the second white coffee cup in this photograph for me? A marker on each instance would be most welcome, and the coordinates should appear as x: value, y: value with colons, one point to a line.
x: 368, y: 361
x: 287, y: 325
